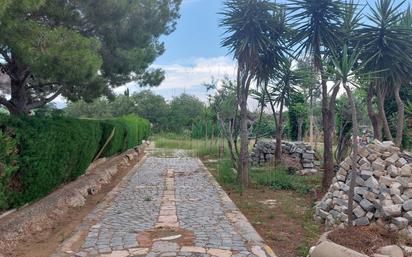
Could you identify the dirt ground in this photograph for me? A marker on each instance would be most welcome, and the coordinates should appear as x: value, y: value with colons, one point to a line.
x: 366, y: 240
x: 282, y: 218
x: 46, y: 242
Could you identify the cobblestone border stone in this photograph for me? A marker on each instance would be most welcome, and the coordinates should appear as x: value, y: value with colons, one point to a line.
x: 239, y: 221
x: 66, y: 248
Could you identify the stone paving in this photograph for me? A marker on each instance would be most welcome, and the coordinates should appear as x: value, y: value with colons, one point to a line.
x: 166, y: 206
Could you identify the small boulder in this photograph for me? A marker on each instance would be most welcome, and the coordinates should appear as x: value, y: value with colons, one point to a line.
x: 391, y: 250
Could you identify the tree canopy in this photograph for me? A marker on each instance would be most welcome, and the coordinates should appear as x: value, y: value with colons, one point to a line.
x: 80, y: 49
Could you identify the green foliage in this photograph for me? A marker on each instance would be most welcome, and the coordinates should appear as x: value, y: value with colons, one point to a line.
x: 152, y: 107
x: 205, y: 129
x: 53, y: 151
x: 280, y: 179
x: 81, y: 49
x: 137, y: 130
x: 266, y: 127
x: 298, y: 112
x: 184, y: 110
x: 8, y: 165
x: 391, y: 112
x: 118, y: 143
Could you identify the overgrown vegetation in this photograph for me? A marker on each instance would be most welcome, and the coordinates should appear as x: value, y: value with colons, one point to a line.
x: 37, y: 154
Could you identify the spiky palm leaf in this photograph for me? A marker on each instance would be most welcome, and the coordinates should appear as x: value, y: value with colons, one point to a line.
x: 388, y: 41
x: 317, y: 25
x: 252, y: 29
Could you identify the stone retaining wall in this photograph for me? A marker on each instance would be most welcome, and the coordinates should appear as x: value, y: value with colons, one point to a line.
x: 383, y: 191
x: 45, y: 213
x: 265, y: 151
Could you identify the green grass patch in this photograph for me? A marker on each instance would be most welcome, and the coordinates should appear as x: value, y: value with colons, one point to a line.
x: 199, y: 147
x: 281, y: 179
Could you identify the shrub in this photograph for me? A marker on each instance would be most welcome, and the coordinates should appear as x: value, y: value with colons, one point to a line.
x: 41, y: 153
x: 118, y: 142
x: 137, y: 129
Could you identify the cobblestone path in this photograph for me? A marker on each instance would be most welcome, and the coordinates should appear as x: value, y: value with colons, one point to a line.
x: 166, y: 206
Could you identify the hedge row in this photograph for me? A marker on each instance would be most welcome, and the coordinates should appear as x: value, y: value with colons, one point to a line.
x: 38, y: 154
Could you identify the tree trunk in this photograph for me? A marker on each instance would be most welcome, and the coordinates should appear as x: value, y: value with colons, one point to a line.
x: 311, y: 120
x: 279, y: 132
x: 328, y: 120
x: 354, y: 155
x: 373, y: 116
x: 259, y: 122
x: 300, y: 126
x: 381, y: 107
x: 244, y: 142
x: 229, y: 137
x: 328, y: 115
x: 401, y: 116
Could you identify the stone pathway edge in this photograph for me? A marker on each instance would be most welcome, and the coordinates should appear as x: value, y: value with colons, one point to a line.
x: 239, y: 221
x: 81, y: 231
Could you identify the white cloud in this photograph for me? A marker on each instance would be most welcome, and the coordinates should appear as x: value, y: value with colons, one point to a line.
x: 200, y: 70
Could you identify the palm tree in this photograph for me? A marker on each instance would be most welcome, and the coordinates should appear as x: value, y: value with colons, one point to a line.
x: 346, y: 69
x: 251, y: 31
x: 317, y: 25
x: 279, y: 95
x: 388, y: 38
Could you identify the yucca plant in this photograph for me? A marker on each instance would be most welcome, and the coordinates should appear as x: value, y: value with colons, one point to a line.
x: 346, y: 72
x: 388, y: 38
x: 317, y: 25
x: 251, y: 33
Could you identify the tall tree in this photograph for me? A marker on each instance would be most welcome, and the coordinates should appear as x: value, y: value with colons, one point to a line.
x: 310, y: 87
x: 279, y: 95
x: 152, y: 107
x: 317, y: 25
x: 80, y: 49
x: 345, y: 71
x: 251, y: 32
x: 388, y: 41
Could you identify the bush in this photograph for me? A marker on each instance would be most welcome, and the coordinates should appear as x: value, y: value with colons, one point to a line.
x: 41, y: 153
x: 118, y: 142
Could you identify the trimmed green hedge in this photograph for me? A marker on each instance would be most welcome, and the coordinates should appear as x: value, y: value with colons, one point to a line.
x: 38, y: 154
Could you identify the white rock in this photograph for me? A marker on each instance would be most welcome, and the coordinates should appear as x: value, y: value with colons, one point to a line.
x: 392, y: 210
x: 391, y: 250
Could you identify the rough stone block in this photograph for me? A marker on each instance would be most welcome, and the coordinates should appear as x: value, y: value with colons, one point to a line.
x: 406, y: 171
x: 372, y: 157
x: 360, y: 190
x: 408, y: 216
x: 363, y: 221
x: 366, y: 205
x: 392, y: 210
x: 400, y: 222
x: 393, y: 171
x: 386, y: 180
x: 379, y: 165
x: 397, y: 199
x: 359, y: 212
x: 372, y: 183
x: 393, y: 158
x: 407, y: 205
x: 364, y: 152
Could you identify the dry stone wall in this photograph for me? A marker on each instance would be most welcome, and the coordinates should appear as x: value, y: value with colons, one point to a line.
x: 265, y: 152
x: 383, y: 191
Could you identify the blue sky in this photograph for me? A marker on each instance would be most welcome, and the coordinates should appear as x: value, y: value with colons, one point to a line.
x: 193, y: 53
